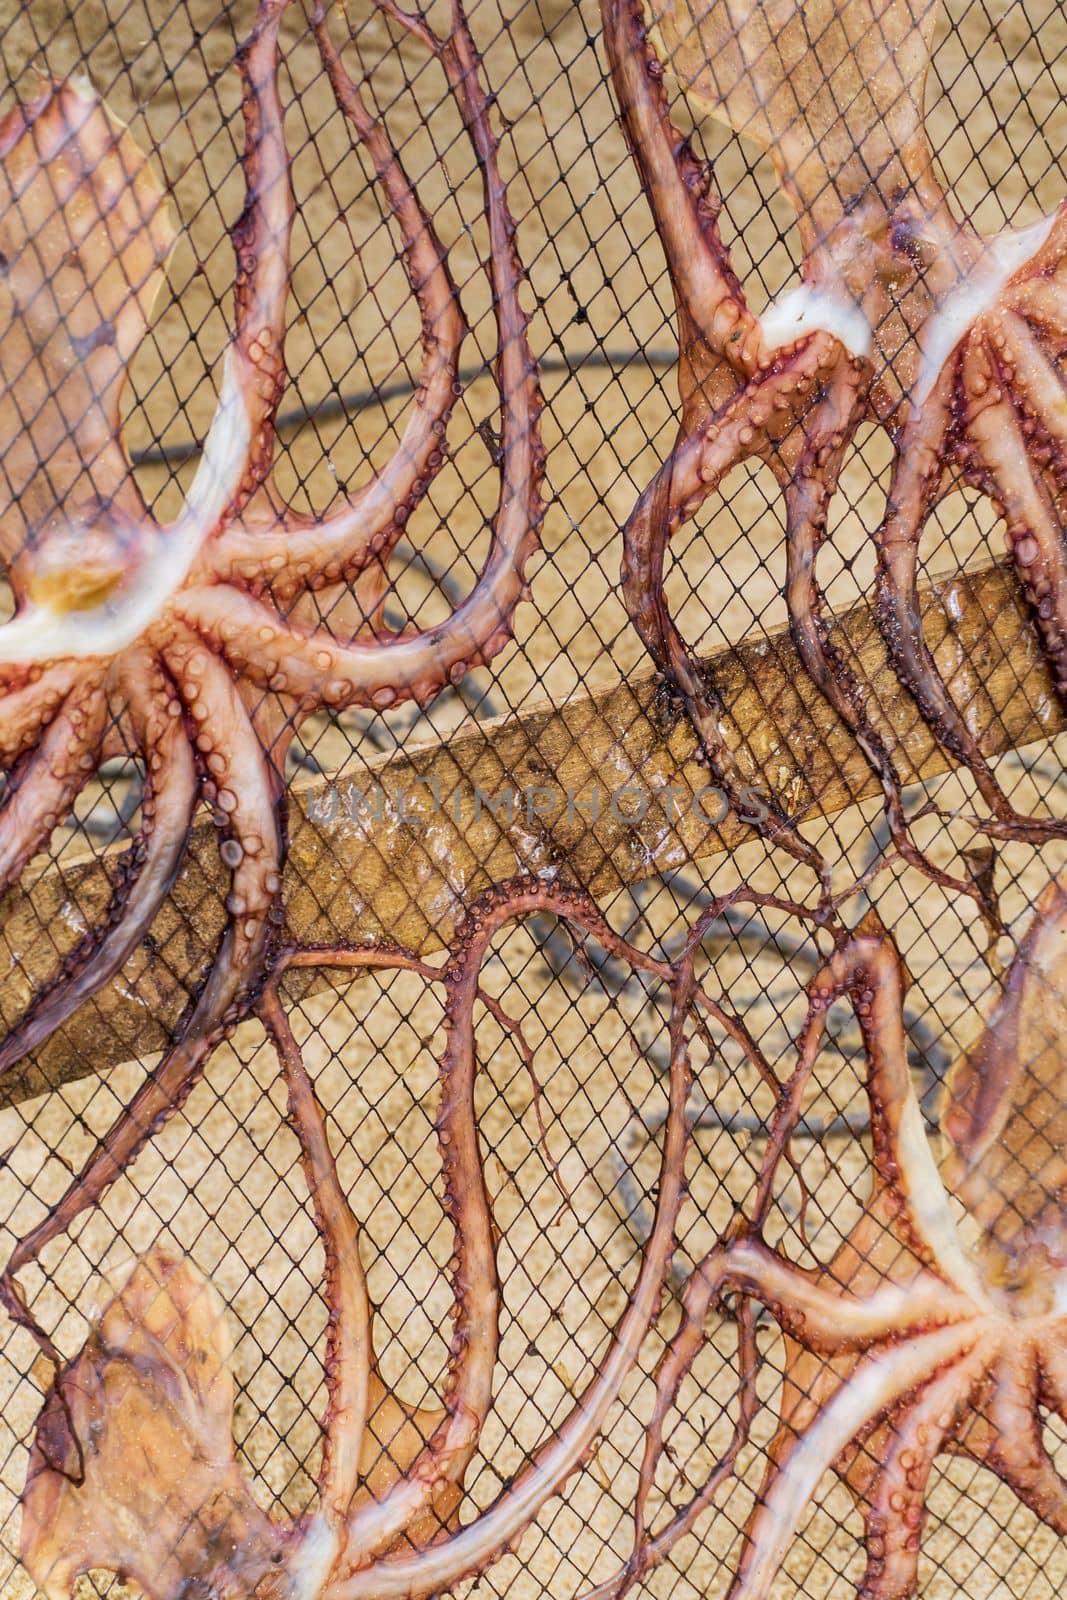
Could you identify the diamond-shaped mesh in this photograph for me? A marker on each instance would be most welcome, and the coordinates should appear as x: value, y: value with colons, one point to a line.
x: 565, y: 761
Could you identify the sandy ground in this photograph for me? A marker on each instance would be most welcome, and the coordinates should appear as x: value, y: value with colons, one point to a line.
x: 222, y: 1183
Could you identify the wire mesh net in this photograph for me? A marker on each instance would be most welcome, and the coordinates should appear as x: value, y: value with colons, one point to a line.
x: 650, y: 929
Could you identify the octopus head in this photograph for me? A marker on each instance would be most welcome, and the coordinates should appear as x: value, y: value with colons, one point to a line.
x: 133, y: 1467
x: 1026, y: 1277
x: 84, y: 561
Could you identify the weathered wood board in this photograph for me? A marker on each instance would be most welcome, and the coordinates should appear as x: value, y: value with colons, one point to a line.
x: 604, y: 790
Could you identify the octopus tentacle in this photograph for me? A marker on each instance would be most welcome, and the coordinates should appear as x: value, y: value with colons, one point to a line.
x: 470, y: 1549
x: 896, y: 1498
x: 30, y: 699
x: 472, y: 1357
x: 348, y: 1358
x: 1021, y: 1458
x: 1047, y: 263
x: 649, y: 1550
x: 820, y: 1317
x: 129, y: 1379
x: 146, y: 876
x: 808, y: 496
x: 296, y: 553
x: 791, y: 1099
x: 824, y: 989
x: 491, y: 914
x: 1052, y: 1375
x: 868, y: 967
x: 1017, y: 1451
x: 878, y: 1382
x: 977, y: 1442
x: 696, y: 468
x: 392, y: 1435
x: 375, y: 1526
x: 1041, y: 301
x: 261, y: 240
x: 698, y: 464
x: 246, y: 794
x: 683, y: 201
x: 907, y: 1343
x: 917, y: 472
x: 416, y: 664
x: 41, y: 792
x: 1043, y: 388
x: 883, y: 220
x: 815, y: 1312
x: 469, y: 1386
x: 480, y: 628
x: 1033, y: 526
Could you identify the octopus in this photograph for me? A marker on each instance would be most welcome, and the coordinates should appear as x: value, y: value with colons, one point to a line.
x: 903, y: 316
x: 197, y: 645
x: 133, y: 1467
x: 940, y: 1323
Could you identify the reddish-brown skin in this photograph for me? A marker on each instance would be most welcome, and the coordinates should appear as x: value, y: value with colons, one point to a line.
x: 878, y: 232
x: 924, y: 1334
x: 133, y: 1468
x: 211, y: 687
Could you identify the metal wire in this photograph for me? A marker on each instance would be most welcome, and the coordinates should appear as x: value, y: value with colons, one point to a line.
x: 573, y: 1039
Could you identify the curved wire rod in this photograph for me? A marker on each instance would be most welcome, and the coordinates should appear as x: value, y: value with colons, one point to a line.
x: 343, y: 405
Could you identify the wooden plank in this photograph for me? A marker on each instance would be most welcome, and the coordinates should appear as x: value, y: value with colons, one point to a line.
x: 427, y: 829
